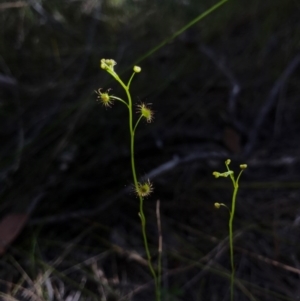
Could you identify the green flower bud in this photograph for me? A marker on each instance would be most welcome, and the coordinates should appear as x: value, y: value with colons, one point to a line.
x: 137, y: 69
x: 216, y: 174
x: 217, y: 205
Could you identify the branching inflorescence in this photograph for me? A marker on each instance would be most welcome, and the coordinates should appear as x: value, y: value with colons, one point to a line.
x: 142, y: 189
x: 235, y: 183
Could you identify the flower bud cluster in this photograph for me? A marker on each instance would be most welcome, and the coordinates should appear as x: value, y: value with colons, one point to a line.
x: 230, y: 173
x: 223, y: 174
x: 108, y: 64
x: 217, y: 174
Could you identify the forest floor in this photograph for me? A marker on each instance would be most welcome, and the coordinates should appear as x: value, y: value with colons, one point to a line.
x: 224, y: 88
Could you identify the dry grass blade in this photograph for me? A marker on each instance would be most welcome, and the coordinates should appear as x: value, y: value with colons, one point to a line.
x: 16, y: 4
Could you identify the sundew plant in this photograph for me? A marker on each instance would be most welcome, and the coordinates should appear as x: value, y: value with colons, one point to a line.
x: 143, y: 110
x: 235, y: 184
x: 142, y: 188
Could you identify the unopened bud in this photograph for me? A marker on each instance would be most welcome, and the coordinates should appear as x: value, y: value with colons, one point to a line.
x: 217, y: 205
x: 137, y: 69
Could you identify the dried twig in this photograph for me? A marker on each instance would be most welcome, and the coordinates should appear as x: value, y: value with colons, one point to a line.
x: 270, y: 261
x: 160, y: 242
x: 269, y: 104
x: 16, y: 4
x: 235, y: 85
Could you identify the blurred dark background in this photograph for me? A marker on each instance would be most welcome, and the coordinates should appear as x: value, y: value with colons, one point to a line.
x: 227, y: 87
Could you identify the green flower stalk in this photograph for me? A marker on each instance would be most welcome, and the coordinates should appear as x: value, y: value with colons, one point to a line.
x: 235, y: 183
x: 142, y: 189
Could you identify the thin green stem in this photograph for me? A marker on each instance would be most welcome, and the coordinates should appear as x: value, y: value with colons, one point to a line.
x: 136, y: 124
x: 181, y: 30
x: 129, y: 82
x: 238, y: 178
x: 236, y: 187
x: 141, y: 213
x: 159, y: 260
x: 119, y: 99
x: 232, y: 212
x: 143, y: 221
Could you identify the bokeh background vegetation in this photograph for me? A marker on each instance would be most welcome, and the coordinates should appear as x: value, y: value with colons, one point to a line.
x: 228, y: 87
